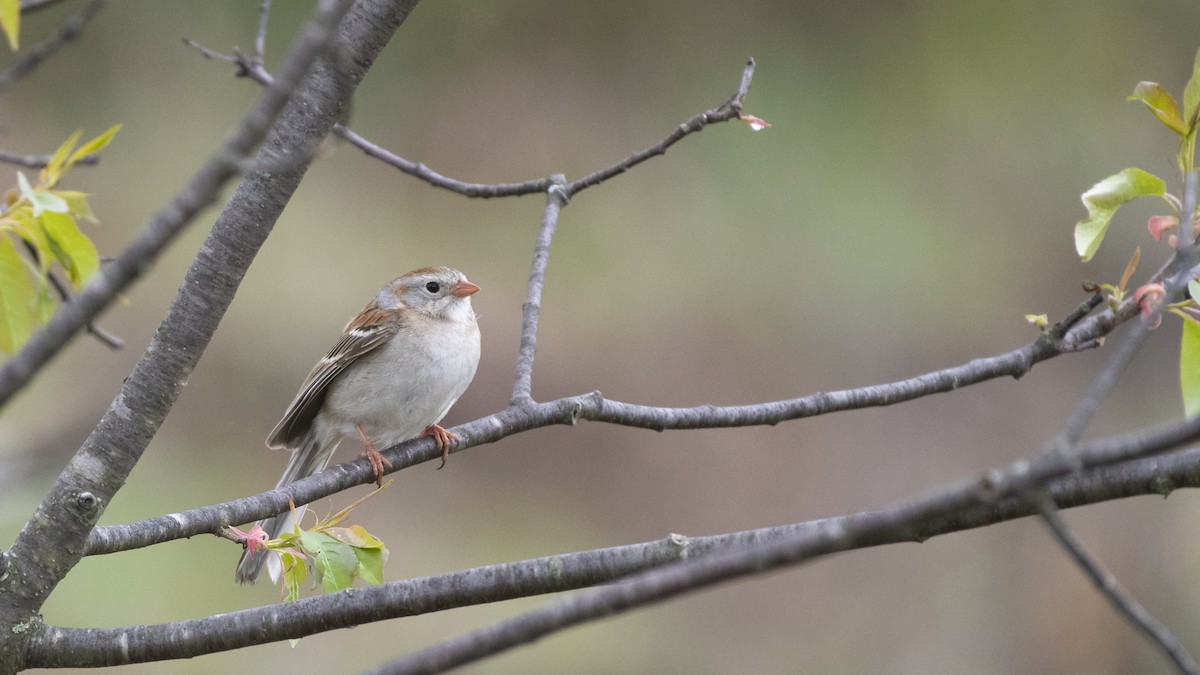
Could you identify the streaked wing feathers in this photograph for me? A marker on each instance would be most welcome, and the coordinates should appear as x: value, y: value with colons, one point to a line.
x: 364, y: 333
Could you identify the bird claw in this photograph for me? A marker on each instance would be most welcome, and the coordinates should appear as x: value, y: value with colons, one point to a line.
x: 373, y: 456
x: 442, y: 438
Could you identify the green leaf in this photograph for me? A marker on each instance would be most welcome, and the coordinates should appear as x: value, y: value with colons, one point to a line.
x: 95, y: 145
x: 77, y: 204
x: 17, y: 298
x: 333, y: 560
x: 45, y: 303
x: 370, y: 564
x: 10, y: 20
x: 356, y: 536
x: 1191, y: 94
x: 40, y: 200
x: 369, y: 550
x: 294, y: 574
x: 1103, y: 200
x: 24, y: 224
x: 1161, y: 103
x: 58, y: 161
x: 73, y: 250
x: 1189, y: 367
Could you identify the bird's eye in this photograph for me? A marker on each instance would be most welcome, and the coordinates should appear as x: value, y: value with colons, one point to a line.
x: 433, y: 287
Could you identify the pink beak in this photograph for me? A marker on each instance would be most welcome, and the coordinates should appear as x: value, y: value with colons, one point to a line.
x: 464, y: 288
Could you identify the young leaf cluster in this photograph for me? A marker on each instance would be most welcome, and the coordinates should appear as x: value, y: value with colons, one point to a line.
x: 334, y: 557
x: 1103, y: 200
x: 39, y: 226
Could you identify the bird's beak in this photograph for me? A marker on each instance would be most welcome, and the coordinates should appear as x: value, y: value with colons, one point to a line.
x: 464, y: 288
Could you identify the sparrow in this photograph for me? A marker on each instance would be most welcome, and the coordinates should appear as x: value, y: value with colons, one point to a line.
x: 394, y: 374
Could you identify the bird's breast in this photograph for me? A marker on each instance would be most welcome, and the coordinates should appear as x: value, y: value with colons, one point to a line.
x: 405, y: 385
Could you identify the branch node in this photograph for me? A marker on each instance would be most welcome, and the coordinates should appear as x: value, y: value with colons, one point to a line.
x: 681, y: 543
x: 86, y: 502
x: 591, y: 405
x: 1059, y: 330
x: 1084, y: 346
x: 990, y: 486
x: 1162, y: 485
x: 556, y: 187
x: 574, y: 409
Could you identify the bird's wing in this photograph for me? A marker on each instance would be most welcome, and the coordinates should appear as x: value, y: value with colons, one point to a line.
x: 364, y: 333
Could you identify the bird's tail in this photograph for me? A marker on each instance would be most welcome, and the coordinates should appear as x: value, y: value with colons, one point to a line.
x: 309, y: 458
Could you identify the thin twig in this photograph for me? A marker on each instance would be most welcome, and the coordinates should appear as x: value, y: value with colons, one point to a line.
x: 728, y: 110
x: 418, y: 170
x: 1103, y: 383
x: 260, y: 38
x: 249, y: 68
x: 64, y: 294
x: 67, y: 32
x: 40, y: 161
x: 31, y: 6
x: 1124, y: 603
x: 105, y: 337
x: 556, y: 199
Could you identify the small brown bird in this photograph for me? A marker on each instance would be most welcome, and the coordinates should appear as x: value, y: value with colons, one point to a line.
x: 394, y: 374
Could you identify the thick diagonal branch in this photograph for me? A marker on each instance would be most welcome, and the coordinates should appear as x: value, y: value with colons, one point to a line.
x: 52, y: 541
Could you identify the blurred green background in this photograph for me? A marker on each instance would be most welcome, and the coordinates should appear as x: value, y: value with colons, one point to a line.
x: 914, y: 198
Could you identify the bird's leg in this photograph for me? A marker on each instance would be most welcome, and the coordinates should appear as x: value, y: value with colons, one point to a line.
x: 377, y: 460
x: 443, y: 438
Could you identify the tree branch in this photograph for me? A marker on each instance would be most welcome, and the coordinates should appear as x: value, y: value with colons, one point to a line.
x: 201, y: 191
x: 906, y: 522
x: 67, y: 32
x: 64, y: 294
x: 260, y: 37
x: 556, y: 199
x: 1125, y: 604
x: 529, y: 415
x: 40, y: 161
x: 1012, y: 364
x: 829, y: 536
x: 31, y: 6
x: 31, y: 569
x: 730, y: 109
x: 52, y: 541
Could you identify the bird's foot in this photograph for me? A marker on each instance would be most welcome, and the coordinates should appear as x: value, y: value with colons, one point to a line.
x: 444, y: 439
x: 377, y: 460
